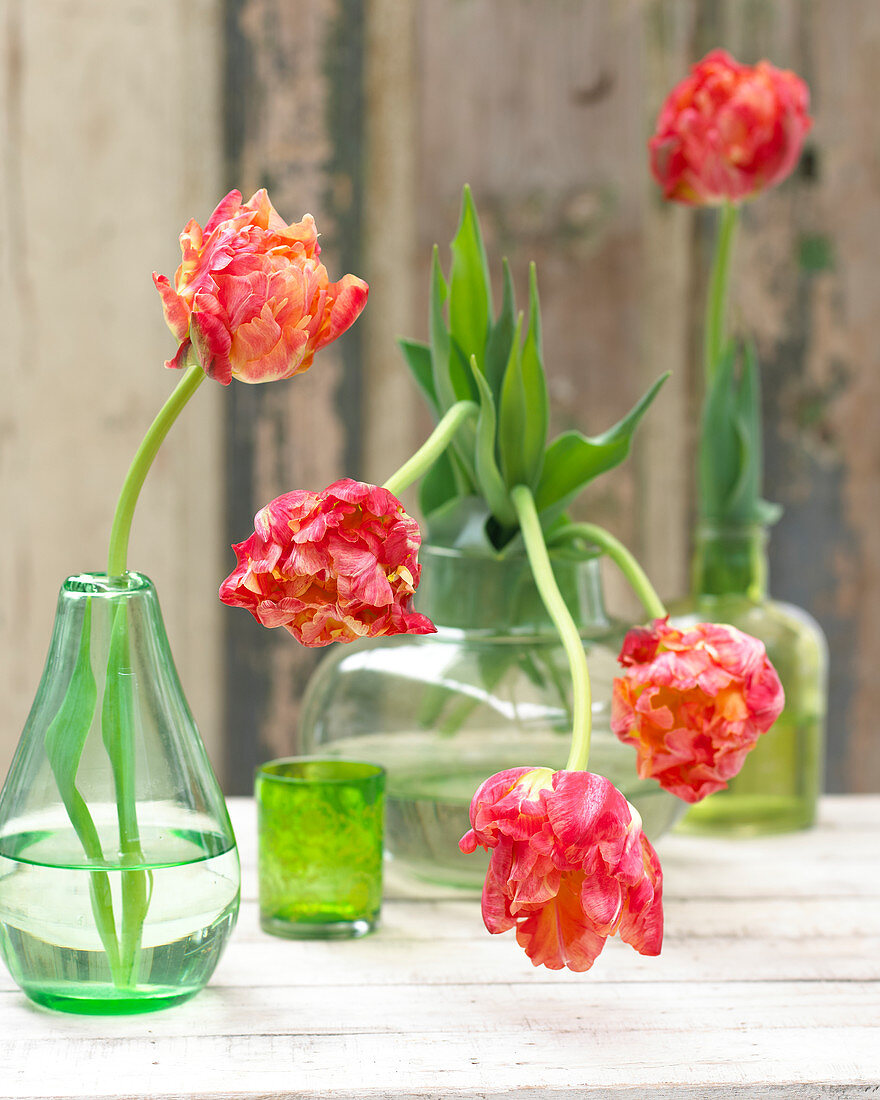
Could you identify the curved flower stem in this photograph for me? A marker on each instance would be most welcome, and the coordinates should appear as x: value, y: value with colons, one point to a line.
x: 432, y: 448
x: 716, y: 302
x: 542, y: 571
x: 623, y: 559
x: 118, y: 727
x: 140, y: 466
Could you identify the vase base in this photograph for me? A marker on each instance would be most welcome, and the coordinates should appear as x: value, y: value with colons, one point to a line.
x: 109, y: 1001
x: 326, y: 930
x: 748, y: 815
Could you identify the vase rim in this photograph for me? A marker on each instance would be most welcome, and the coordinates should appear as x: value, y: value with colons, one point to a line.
x: 101, y: 584
x: 309, y: 770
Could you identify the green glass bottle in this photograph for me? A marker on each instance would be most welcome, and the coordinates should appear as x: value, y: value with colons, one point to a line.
x: 779, y: 785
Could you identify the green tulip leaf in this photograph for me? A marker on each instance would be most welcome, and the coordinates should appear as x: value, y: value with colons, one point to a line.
x: 489, y: 479
x: 470, y: 294
x: 67, y: 733
x: 572, y: 460
x: 522, y: 416
x: 501, y: 337
x: 439, y: 485
x: 730, y: 463
x: 418, y: 359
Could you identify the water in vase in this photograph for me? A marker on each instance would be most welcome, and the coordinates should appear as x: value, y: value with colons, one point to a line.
x: 48, y: 934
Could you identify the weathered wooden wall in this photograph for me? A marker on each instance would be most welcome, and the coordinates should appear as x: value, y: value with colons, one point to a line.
x: 371, y: 115
x: 110, y: 139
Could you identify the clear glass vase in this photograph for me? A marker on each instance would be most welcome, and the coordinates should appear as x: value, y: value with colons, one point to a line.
x: 490, y: 690
x: 778, y: 788
x: 119, y: 875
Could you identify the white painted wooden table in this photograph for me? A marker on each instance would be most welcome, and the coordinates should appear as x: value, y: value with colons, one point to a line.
x: 768, y: 987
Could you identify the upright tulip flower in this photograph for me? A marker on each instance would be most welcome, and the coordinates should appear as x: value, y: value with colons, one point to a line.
x: 729, y: 131
x: 251, y: 300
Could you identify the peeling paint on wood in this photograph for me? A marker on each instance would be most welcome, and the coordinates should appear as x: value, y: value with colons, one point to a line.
x: 294, y: 108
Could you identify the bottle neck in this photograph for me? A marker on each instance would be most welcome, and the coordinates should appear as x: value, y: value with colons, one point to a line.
x: 730, y: 561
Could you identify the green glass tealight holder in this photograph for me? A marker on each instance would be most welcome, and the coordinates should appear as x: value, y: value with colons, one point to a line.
x: 320, y: 826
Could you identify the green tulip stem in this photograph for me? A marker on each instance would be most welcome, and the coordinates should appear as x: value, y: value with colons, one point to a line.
x: 432, y: 448
x: 539, y: 560
x: 623, y: 559
x: 716, y: 302
x: 143, y: 460
x: 117, y: 722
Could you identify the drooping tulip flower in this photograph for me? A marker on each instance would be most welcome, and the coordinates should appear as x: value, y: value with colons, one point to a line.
x: 693, y: 703
x: 331, y: 566
x: 569, y: 866
x: 729, y: 131
x: 251, y: 299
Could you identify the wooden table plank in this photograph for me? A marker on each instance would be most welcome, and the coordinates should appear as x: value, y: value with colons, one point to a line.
x: 768, y: 986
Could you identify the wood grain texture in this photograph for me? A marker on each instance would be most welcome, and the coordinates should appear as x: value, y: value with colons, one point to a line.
x: 768, y: 986
x: 295, y: 126
x: 102, y: 165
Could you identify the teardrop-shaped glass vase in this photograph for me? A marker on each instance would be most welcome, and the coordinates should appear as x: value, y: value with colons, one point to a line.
x: 119, y: 875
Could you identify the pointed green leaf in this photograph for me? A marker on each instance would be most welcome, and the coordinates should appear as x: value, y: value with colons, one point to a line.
x: 501, y: 337
x: 534, y: 385
x: 523, y: 413
x: 522, y: 422
x: 460, y: 374
x: 489, y: 479
x: 572, y: 460
x: 730, y: 453
x: 440, y: 347
x: 470, y: 291
x: 438, y: 485
x: 418, y: 359
x: 450, y: 374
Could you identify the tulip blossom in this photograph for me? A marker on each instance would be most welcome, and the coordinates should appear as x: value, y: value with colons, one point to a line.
x: 569, y: 866
x: 331, y: 566
x: 251, y: 300
x: 729, y: 131
x: 693, y: 703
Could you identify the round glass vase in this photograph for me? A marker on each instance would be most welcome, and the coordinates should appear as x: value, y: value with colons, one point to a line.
x: 119, y: 875
x: 489, y: 691
x: 779, y: 785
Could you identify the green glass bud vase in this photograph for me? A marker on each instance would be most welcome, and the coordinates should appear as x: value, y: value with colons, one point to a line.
x: 119, y: 875
x: 778, y: 788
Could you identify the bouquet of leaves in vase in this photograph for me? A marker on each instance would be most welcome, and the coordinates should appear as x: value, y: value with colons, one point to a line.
x: 495, y: 362
x: 570, y: 864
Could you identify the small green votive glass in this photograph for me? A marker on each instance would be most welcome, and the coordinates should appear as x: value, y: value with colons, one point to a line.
x: 320, y: 827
